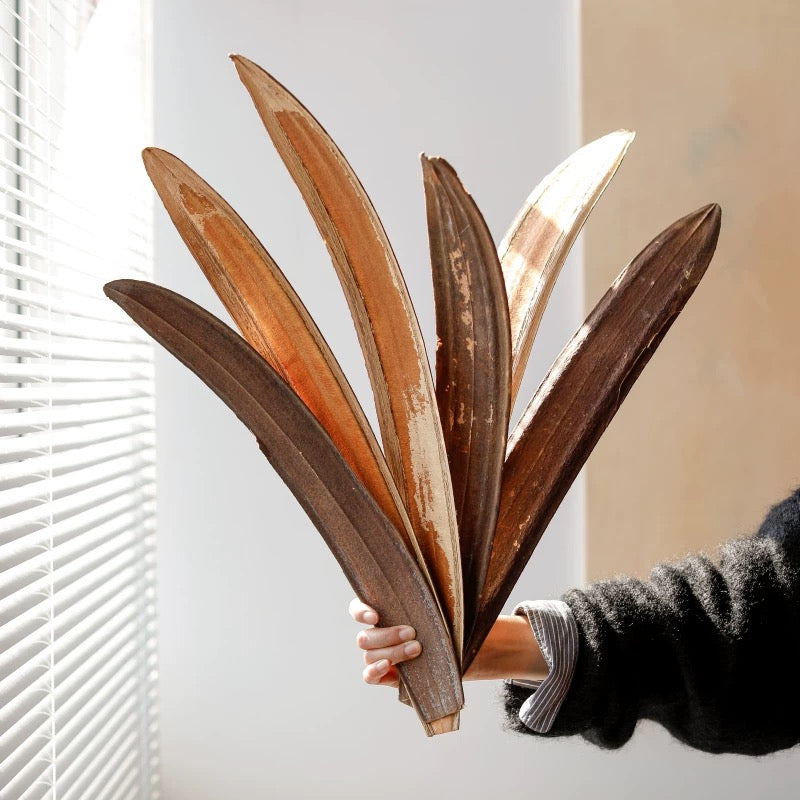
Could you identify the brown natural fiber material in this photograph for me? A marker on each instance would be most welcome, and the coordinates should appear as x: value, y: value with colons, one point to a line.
x: 367, y: 546
x: 582, y: 392
x: 473, y: 364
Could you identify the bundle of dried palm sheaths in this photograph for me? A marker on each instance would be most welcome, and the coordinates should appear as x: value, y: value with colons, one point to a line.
x: 434, y: 528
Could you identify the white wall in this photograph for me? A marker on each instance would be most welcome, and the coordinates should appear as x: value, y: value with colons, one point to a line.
x: 260, y: 679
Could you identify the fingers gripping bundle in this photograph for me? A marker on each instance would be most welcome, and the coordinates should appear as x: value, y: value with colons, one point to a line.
x: 435, y: 527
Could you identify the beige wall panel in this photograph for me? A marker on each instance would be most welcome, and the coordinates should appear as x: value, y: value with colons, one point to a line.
x: 710, y: 435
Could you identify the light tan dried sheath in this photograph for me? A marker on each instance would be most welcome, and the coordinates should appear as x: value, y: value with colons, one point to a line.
x: 473, y: 364
x: 538, y: 241
x: 273, y: 319
x: 367, y: 546
x: 582, y: 392
x: 385, y: 322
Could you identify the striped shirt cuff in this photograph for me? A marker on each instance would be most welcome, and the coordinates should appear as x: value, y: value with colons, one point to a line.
x: 557, y: 635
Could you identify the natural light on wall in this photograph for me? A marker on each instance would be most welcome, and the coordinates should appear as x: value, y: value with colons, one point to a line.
x: 77, y: 629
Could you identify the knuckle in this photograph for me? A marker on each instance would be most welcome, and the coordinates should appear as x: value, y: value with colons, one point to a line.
x: 398, y: 655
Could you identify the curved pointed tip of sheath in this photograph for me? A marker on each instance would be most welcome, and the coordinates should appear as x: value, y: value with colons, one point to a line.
x: 151, y: 154
x: 624, y: 135
x: 158, y: 163
x: 612, y: 146
x: 119, y: 289
x: 430, y: 175
x: 166, y: 172
x: 706, y: 220
x: 250, y: 72
x: 605, y: 153
x: 713, y: 211
x: 437, y: 166
x: 428, y: 170
x: 240, y: 62
x: 155, y: 158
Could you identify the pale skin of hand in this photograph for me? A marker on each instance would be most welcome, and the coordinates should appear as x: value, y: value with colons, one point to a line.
x: 510, y: 649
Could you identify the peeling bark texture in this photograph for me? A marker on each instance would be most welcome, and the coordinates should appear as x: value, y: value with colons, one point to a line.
x: 385, y: 322
x: 473, y: 364
x: 539, y: 240
x: 367, y: 546
x: 582, y: 392
x: 273, y: 319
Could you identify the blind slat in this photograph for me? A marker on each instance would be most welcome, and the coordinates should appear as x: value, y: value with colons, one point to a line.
x: 77, y: 636
x: 90, y: 329
x: 57, y: 441
x: 72, y: 482
x: 78, y: 349
x: 70, y: 460
x: 93, y: 521
x: 35, y: 777
x: 77, y: 371
x: 72, y: 504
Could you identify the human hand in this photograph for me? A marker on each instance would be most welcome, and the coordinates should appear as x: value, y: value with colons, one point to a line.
x: 509, y: 651
x: 383, y: 647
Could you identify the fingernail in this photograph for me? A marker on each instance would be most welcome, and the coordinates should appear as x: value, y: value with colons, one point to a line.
x: 406, y: 633
x: 370, y: 617
x: 412, y: 649
x: 381, y: 666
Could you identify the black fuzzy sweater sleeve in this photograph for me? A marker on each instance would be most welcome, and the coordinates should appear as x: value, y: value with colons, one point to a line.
x: 709, y: 650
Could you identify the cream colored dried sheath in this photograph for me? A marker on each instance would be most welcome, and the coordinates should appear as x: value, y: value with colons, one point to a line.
x: 538, y: 242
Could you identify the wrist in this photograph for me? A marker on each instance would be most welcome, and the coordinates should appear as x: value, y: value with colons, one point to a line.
x: 510, y: 651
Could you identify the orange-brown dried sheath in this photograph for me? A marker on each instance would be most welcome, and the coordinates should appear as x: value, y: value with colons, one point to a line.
x: 273, y: 319
x: 385, y: 321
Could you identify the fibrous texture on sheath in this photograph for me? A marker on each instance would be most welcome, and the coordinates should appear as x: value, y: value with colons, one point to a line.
x: 434, y: 528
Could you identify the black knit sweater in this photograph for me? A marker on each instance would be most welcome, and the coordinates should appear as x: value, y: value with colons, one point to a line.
x: 710, y: 651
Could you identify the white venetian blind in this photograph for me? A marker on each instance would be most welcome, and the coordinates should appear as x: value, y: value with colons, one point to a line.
x: 77, y: 636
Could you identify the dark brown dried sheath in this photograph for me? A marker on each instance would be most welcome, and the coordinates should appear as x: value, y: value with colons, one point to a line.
x: 273, y: 319
x: 368, y: 548
x: 583, y: 391
x: 473, y: 364
x: 539, y: 240
x: 385, y: 321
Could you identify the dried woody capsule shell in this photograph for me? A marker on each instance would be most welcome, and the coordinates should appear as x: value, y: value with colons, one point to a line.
x: 538, y: 241
x: 473, y: 364
x: 385, y: 321
x: 369, y: 549
x: 582, y: 392
x: 273, y: 319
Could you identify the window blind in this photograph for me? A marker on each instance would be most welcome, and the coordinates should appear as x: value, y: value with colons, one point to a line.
x: 77, y: 628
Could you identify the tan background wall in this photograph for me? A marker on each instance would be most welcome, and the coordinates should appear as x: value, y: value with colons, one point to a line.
x: 710, y: 435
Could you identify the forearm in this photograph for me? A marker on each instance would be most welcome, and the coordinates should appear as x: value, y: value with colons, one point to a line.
x: 708, y: 650
x: 510, y: 651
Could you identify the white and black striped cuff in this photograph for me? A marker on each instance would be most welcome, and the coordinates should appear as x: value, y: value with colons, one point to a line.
x: 557, y: 634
